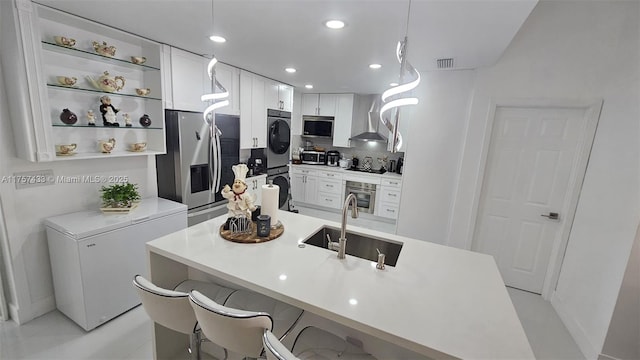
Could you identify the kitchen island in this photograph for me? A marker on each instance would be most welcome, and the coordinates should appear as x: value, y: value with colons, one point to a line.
x: 437, y: 301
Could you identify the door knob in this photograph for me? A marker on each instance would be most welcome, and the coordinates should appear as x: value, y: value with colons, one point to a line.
x: 552, y: 216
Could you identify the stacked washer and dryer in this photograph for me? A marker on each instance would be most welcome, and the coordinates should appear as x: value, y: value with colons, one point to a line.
x: 278, y: 153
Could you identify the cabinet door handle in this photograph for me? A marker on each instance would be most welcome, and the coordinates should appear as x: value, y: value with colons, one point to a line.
x: 394, y: 195
x: 329, y: 185
x: 389, y: 210
x: 552, y: 216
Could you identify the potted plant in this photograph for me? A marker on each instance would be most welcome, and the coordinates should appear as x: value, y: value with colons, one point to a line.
x: 119, y: 197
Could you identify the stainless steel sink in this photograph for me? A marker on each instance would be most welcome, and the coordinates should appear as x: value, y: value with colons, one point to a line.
x: 359, y: 245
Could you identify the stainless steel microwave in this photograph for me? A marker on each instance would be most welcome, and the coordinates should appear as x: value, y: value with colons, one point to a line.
x: 314, y: 157
x: 317, y: 126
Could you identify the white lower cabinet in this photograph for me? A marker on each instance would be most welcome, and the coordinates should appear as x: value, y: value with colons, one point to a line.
x: 304, y: 186
x: 254, y: 186
x: 94, y: 257
x: 388, y: 198
x: 317, y: 187
x: 330, y: 189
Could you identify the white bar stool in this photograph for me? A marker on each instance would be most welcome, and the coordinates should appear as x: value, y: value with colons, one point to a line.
x: 284, y: 316
x: 172, y: 309
x: 236, y: 330
x: 313, y: 343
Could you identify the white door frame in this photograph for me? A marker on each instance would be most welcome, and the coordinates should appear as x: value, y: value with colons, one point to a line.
x: 4, y: 312
x: 592, y: 109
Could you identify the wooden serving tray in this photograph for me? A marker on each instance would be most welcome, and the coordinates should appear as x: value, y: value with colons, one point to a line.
x: 125, y: 210
x: 252, y: 237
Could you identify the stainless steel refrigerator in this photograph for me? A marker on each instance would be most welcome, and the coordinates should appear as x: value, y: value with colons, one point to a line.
x: 198, y: 162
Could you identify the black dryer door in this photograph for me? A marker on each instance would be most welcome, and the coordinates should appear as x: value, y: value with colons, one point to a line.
x: 279, y: 137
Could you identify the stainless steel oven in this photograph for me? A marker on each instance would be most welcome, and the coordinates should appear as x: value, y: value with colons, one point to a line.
x: 365, y: 194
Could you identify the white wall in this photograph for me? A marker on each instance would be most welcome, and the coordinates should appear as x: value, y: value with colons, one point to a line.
x: 574, y: 50
x: 435, y: 138
x: 623, y: 337
x: 25, y: 250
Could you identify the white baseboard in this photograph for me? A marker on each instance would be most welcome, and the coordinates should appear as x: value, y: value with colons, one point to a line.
x: 39, y: 308
x: 575, y: 329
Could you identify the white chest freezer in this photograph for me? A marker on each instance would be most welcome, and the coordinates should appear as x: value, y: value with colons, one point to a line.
x: 94, y: 257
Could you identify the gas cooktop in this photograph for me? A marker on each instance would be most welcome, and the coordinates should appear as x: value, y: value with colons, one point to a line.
x: 372, y: 171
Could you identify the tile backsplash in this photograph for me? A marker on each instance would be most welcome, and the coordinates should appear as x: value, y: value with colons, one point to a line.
x: 359, y: 149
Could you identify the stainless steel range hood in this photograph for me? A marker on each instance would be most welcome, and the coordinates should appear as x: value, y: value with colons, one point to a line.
x: 373, y: 116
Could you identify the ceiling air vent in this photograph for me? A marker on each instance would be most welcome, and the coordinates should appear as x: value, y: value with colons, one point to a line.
x: 445, y: 63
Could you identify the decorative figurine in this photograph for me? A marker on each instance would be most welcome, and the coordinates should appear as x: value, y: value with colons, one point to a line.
x: 108, y: 112
x: 145, y: 120
x: 91, y: 118
x: 240, y: 202
x: 127, y: 119
x: 68, y: 117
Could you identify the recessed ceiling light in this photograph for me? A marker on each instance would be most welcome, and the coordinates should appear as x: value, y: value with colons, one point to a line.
x: 218, y: 39
x: 309, y: 86
x: 375, y: 66
x: 393, y: 84
x: 334, y: 24
x: 290, y: 70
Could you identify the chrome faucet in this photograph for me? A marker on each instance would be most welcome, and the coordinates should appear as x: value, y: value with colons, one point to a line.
x: 342, y: 242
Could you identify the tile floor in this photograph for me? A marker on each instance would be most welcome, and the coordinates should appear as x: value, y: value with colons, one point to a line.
x: 54, y: 336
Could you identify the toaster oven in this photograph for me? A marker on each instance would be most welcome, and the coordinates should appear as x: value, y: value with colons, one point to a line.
x: 313, y: 157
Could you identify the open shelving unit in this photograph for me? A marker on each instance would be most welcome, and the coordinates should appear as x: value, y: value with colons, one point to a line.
x: 37, y: 123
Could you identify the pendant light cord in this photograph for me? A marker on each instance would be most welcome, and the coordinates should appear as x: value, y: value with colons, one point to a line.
x: 406, y: 33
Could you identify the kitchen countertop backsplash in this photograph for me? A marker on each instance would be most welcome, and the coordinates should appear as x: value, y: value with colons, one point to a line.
x: 360, y: 150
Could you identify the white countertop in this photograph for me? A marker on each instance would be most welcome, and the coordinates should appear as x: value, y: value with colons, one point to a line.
x: 437, y: 300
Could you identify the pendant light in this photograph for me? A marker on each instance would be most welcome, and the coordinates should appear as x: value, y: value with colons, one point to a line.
x: 216, y: 99
x: 396, y: 96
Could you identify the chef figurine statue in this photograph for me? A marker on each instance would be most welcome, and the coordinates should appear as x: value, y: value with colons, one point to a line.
x: 108, y: 112
x: 240, y: 201
x: 127, y: 119
x: 91, y: 118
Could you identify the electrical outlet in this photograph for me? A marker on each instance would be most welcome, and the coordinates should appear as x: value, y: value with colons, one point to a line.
x: 29, y: 179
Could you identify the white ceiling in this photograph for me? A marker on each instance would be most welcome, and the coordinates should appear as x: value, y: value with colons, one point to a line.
x: 265, y: 36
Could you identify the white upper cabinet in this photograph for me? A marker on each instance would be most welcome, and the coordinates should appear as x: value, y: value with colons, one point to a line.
x: 278, y: 96
x: 189, y: 80
x: 253, y: 112
x: 36, y: 60
x: 343, y: 121
x: 327, y: 104
x: 285, y: 93
x: 271, y: 96
x: 229, y: 77
x: 310, y: 104
x: 319, y: 104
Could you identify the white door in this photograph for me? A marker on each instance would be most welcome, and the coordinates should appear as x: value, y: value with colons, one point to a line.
x: 528, y: 177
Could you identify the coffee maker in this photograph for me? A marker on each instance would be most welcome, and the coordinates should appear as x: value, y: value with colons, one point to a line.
x: 257, y: 163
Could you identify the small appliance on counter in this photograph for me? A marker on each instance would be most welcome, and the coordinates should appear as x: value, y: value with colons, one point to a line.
x: 314, y: 157
x: 333, y: 157
x: 399, y: 166
x: 257, y: 163
x: 345, y: 163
